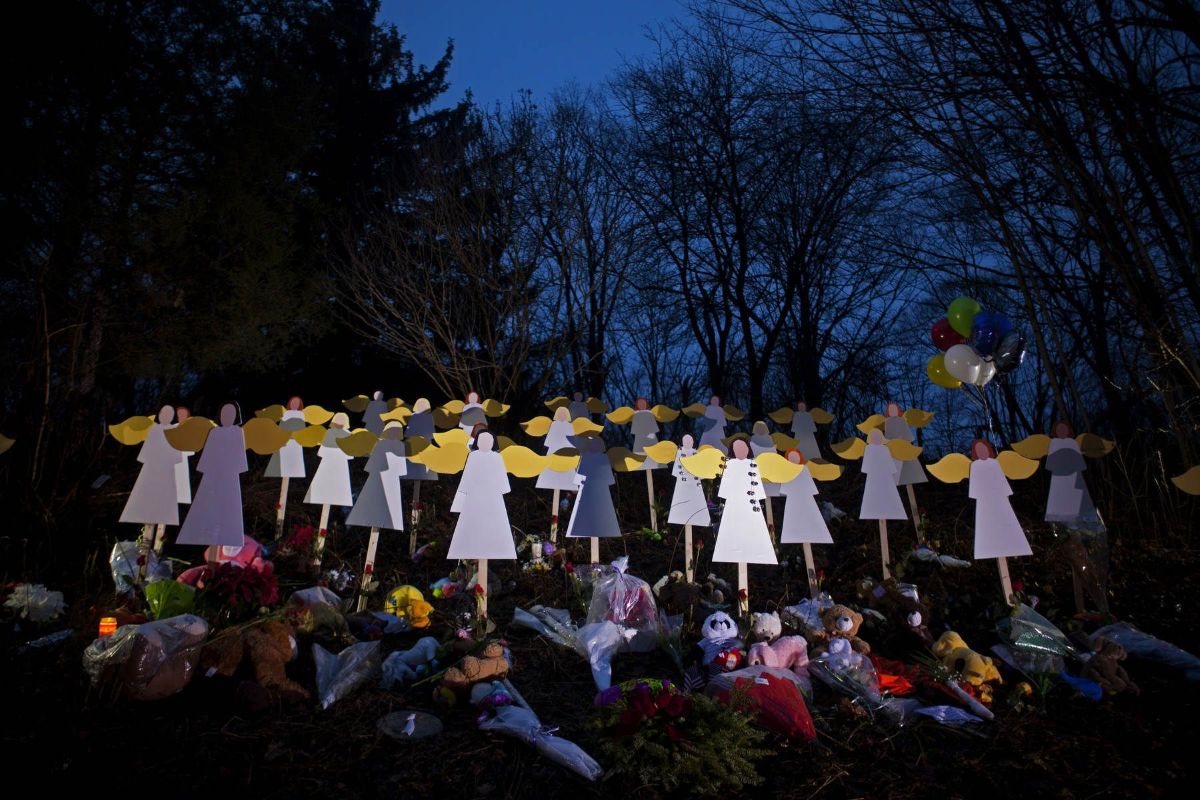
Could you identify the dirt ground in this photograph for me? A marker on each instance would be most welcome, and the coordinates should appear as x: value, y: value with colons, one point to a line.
x: 59, y: 731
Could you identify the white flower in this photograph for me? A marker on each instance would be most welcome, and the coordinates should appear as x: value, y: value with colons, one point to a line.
x: 35, y: 602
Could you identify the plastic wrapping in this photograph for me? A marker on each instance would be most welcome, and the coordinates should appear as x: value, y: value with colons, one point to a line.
x: 851, y: 676
x: 1029, y: 664
x: 339, y: 675
x: 553, y: 623
x: 415, y: 663
x: 316, y: 594
x: 724, y: 681
x: 598, y: 641
x: 36, y: 603
x: 123, y: 563
x: 778, y: 702
x: 148, y: 661
x: 628, y: 601
x: 806, y: 615
x: 1139, y: 644
x: 948, y: 715
x: 525, y: 725
x: 1028, y: 631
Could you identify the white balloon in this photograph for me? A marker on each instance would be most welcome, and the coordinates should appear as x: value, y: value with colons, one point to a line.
x: 963, y: 363
x: 987, y: 371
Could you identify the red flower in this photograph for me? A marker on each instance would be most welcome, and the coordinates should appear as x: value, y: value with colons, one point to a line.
x: 742, y: 594
x: 1018, y: 586
x: 477, y: 589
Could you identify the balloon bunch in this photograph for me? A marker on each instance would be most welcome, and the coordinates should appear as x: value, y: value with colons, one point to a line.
x: 976, y: 346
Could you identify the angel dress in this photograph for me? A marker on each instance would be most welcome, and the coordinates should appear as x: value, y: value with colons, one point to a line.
x: 881, y: 498
x: 183, y: 478
x: 215, y: 517
x: 472, y: 415
x: 578, y: 409
x: 378, y: 503
x: 155, y: 496
x: 645, y: 434
x: 714, y: 430
x: 742, y: 537
x: 371, y: 416
x: 802, y: 517
x: 482, y: 530
x: 288, y: 461
x: 1069, y: 502
x: 420, y: 424
x: 688, y: 504
x: 558, y: 438
x: 908, y: 472
x: 997, y: 531
x: 594, y: 514
x: 804, y: 431
x: 331, y: 483
x: 763, y: 443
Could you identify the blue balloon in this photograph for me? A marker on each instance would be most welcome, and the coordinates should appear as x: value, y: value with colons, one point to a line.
x: 983, y: 332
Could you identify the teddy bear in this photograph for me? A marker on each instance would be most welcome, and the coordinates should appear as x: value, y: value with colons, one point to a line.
x: 901, y: 603
x: 840, y: 622
x: 675, y: 594
x: 719, y: 650
x: 773, y: 650
x: 403, y: 666
x: 491, y: 665
x: 407, y: 602
x: 957, y: 657
x: 714, y: 591
x: 1104, y: 667
x: 269, y: 647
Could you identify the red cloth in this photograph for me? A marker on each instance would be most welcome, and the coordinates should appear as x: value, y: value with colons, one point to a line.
x: 779, y: 704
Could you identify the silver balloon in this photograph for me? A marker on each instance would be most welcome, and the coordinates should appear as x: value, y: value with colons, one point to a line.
x: 1010, y: 352
x: 987, y: 371
x: 963, y: 363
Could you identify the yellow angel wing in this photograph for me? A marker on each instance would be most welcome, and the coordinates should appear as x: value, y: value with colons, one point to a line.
x: 311, y: 436
x: 620, y: 416
x: 446, y: 460
x: 132, y: 431
x: 445, y: 419
x: 1189, y: 481
x: 561, y: 462
x: 358, y: 444
x: 273, y: 413
x: 357, y: 404
x: 823, y: 470
x: 902, y: 450
x: 1035, y: 446
x: 557, y: 403
x: 596, y: 405
x: 538, y: 426
x: 494, y: 408
x: 263, y: 436
x: 522, y: 462
x: 664, y: 414
x: 734, y: 437
x: 733, y: 413
x: 414, y: 445
x: 6, y: 443
x: 873, y: 422
x: 820, y: 416
x: 315, y: 415
x: 583, y: 425
x: 663, y: 452
x: 503, y: 442
x: 397, y: 402
x: 623, y: 459
x: 694, y: 410
x: 916, y: 418
x: 454, y: 407
x: 781, y: 416
x: 783, y: 441
x: 851, y: 449
x: 708, y: 462
x: 1016, y: 466
x: 191, y: 434
x: 1094, y: 446
x: 777, y: 469
x: 953, y: 468
x: 397, y: 413
x: 452, y: 437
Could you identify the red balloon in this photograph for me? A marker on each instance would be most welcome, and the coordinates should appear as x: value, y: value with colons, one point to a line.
x: 945, y: 337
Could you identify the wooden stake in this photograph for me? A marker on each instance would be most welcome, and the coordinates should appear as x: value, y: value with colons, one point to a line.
x: 160, y: 539
x: 743, y: 590
x: 650, y: 498
x: 554, y: 516
x: 811, y: 569
x: 144, y: 546
x: 319, y: 548
x: 368, y: 569
x: 1005, y: 580
x: 416, y: 519
x: 883, y: 548
x: 689, y: 566
x: 281, y: 508
x: 595, y: 550
x: 770, y: 520
x: 916, y: 513
x: 482, y: 580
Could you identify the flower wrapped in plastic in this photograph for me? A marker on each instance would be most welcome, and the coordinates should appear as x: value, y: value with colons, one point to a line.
x: 627, y: 601
x: 851, y: 673
x: 36, y: 603
x: 1027, y: 630
x: 522, y: 723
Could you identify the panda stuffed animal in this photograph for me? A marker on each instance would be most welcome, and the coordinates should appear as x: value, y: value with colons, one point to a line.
x: 719, y: 650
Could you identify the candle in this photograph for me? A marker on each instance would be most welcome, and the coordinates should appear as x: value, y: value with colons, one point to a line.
x: 108, y: 626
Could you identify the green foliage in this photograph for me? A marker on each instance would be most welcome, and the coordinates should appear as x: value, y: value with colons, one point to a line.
x: 169, y: 599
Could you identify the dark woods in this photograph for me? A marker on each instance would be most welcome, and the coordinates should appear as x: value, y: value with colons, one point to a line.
x: 255, y: 199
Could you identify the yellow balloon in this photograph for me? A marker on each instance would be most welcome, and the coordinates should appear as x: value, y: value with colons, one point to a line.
x: 936, y: 370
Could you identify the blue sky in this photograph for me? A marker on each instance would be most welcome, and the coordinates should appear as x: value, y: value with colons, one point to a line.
x: 501, y: 47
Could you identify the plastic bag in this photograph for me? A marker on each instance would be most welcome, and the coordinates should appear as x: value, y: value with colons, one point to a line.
x: 806, y: 615
x: 851, y: 674
x: 1027, y: 630
x: 598, y: 642
x: 123, y: 562
x: 1139, y: 644
x: 628, y: 601
x: 1029, y: 664
x: 339, y: 675
x: 948, y: 715
x: 553, y: 623
x: 316, y: 594
x: 148, y: 661
x: 525, y: 725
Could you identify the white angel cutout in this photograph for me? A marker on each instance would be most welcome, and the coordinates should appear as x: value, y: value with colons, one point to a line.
x: 577, y: 407
x: 288, y: 462
x: 804, y: 422
x: 715, y: 415
x: 303, y: 424
x: 183, y: 472
x: 897, y: 425
x: 643, y: 424
x: 803, y: 522
x: 689, y: 506
x: 379, y: 500
x: 482, y: 530
x: 742, y: 536
x: 558, y: 433
x: 1069, y: 502
x: 330, y: 485
x: 594, y: 515
x: 154, y: 499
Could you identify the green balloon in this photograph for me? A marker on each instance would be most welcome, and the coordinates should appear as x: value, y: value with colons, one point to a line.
x: 961, y: 314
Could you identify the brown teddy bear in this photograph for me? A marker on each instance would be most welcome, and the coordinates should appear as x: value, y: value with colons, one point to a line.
x: 841, y: 622
x: 492, y: 665
x: 269, y: 646
x: 1104, y: 667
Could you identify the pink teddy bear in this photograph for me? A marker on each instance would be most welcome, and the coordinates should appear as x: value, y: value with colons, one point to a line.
x: 786, y: 652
